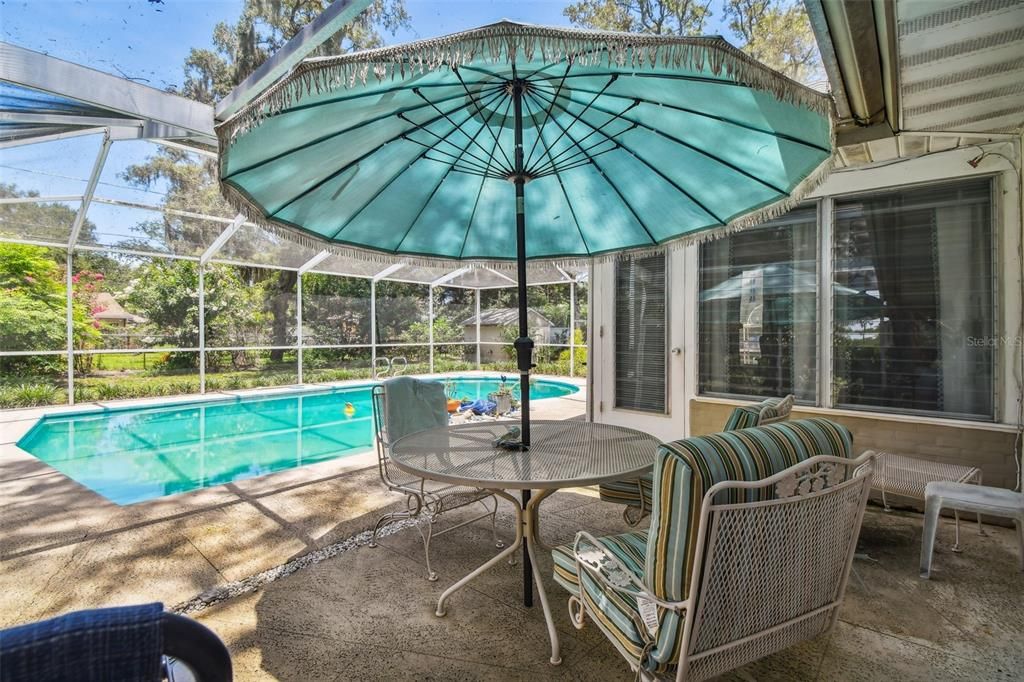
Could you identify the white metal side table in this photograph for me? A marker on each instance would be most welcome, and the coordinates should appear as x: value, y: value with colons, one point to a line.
x: 908, y: 476
x: 562, y: 454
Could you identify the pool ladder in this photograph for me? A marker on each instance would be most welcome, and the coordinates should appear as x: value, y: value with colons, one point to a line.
x: 385, y: 367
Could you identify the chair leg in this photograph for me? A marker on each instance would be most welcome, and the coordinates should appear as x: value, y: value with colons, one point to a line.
x: 426, y: 535
x: 384, y: 521
x: 931, y: 523
x: 1020, y: 538
x: 630, y: 520
x: 981, y: 529
x: 885, y: 502
x: 494, y: 528
x: 956, y: 543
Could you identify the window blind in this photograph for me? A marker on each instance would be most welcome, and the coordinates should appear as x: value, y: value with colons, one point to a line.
x: 640, y: 328
x: 922, y: 336
x: 757, y: 331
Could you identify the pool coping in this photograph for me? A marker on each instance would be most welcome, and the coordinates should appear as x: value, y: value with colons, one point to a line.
x: 13, y: 435
x: 235, y: 397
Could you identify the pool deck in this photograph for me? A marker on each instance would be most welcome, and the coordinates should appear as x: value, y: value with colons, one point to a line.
x: 64, y: 547
x: 367, y: 614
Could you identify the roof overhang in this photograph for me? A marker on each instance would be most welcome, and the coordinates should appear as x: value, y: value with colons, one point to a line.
x: 939, y: 69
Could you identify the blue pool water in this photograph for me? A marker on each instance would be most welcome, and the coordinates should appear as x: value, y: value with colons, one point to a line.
x: 134, y: 454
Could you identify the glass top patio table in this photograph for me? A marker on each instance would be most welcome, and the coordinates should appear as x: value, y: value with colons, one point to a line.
x: 562, y: 454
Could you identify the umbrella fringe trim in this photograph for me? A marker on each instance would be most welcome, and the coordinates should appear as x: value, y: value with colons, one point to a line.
x: 240, y: 202
x: 507, y: 41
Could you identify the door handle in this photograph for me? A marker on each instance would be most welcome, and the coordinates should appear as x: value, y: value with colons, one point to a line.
x: 677, y: 350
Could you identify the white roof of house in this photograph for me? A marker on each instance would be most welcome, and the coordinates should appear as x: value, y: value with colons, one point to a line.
x: 507, y: 316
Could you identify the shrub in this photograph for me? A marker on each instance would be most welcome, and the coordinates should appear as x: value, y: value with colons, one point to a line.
x: 31, y: 395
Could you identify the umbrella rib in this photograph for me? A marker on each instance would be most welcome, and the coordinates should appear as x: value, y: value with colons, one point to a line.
x: 568, y: 202
x: 716, y: 117
x: 324, y: 138
x: 479, y: 193
x: 472, y: 215
x: 683, y: 143
x: 456, y: 158
x: 386, y: 185
x: 553, y: 160
x: 576, y: 118
x: 440, y: 138
x: 611, y: 184
x: 412, y: 224
x: 664, y: 177
x: 361, y: 95
x: 476, y: 105
x: 547, y: 115
x: 341, y: 170
x: 459, y: 127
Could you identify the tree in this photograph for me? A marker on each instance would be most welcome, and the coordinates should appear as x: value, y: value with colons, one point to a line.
x: 238, y: 49
x: 775, y: 32
x: 661, y: 17
x: 777, y: 35
x: 33, y: 309
x: 264, y: 27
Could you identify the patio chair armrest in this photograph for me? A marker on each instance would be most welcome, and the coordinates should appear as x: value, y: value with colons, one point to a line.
x: 606, y: 568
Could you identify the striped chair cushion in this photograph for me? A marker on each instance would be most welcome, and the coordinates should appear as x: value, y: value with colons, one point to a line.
x: 684, y: 470
x: 629, y: 547
x: 633, y: 492
x: 616, y: 614
x: 639, y: 493
x: 748, y: 416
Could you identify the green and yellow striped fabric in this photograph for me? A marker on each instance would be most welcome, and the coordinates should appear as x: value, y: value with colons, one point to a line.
x: 637, y: 493
x: 748, y: 416
x: 683, y: 472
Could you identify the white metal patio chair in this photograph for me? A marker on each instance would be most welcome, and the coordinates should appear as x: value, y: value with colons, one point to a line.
x: 636, y: 494
x: 424, y: 500
x: 730, y: 570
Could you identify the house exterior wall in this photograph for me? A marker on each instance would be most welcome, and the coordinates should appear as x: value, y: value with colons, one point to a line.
x: 989, y: 445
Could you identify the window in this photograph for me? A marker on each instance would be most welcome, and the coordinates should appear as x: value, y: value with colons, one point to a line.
x: 758, y: 310
x: 640, y: 326
x: 913, y: 323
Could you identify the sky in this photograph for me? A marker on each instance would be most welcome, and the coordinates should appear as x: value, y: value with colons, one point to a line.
x: 148, y: 40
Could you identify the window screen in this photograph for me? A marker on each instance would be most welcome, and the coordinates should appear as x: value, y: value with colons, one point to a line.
x: 758, y: 310
x: 919, y: 334
x: 640, y: 325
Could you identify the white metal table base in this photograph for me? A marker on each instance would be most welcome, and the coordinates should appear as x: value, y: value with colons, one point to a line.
x: 526, y: 534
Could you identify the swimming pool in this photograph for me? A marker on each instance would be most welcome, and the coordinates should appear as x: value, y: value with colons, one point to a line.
x: 140, y: 453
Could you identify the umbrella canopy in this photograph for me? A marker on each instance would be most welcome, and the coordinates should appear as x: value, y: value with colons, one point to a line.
x: 628, y: 142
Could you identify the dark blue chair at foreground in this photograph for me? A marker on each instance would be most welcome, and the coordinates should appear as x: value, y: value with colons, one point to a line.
x: 121, y: 644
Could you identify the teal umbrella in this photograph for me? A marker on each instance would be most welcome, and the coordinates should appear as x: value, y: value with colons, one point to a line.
x: 514, y: 142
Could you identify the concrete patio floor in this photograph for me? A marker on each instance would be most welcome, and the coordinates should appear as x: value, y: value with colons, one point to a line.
x: 367, y: 613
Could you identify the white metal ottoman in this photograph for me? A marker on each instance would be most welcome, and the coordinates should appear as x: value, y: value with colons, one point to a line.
x: 908, y: 476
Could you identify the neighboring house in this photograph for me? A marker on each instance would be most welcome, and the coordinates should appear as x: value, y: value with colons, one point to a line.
x: 105, y: 308
x: 907, y: 326
x: 495, y: 320
x: 114, y: 321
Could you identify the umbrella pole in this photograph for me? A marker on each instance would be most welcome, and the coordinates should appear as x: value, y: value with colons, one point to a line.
x: 523, y: 344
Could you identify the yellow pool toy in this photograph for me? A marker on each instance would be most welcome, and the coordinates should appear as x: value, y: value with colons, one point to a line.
x: 349, y: 410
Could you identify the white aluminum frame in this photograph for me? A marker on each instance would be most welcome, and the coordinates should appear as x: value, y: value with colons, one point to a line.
x: 126, y: 110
